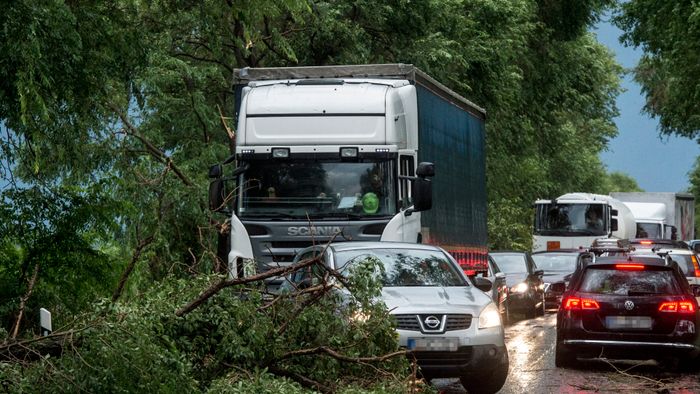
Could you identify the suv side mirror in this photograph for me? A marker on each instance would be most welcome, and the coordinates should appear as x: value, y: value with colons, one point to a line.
x: 483, y: 284
x: 696, y: 290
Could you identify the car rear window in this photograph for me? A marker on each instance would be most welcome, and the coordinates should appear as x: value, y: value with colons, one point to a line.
x: 685, y: 263
x: 603, y: 280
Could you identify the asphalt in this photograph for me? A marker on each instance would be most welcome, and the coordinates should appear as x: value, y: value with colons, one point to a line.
x: 531, y: 351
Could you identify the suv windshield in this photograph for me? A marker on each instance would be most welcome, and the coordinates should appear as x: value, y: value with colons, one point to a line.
x: 406, y: 267
x: 570, y: 219
x: 319, y: 189
x: 556, y: 262
x: 603, y: 280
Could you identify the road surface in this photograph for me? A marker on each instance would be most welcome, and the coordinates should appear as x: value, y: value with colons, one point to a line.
x: 531, y: 350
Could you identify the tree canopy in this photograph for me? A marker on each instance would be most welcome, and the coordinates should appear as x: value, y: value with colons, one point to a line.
x: 112, y: 111
x: 669, y: 34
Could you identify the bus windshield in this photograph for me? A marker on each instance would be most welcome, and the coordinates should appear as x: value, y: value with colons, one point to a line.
x: 313, y: 189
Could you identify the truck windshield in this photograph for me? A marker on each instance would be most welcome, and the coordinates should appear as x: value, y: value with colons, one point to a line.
x: 648, y: 230
x: 571, y: 219
x: 318, y: 189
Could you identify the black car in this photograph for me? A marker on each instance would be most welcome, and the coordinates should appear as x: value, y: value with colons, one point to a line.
x: 633, y: 307
x: 499, y: 290
x: 524, y: 280
x: 558, y: 266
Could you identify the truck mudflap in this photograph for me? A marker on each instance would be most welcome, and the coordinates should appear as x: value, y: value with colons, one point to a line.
x: 402, y: 228
x: 241, y: 262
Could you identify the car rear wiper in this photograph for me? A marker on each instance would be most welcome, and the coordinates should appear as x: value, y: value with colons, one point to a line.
x: 640, y: 293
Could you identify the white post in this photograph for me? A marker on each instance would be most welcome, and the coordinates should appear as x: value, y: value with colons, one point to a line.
x: 45, y: 321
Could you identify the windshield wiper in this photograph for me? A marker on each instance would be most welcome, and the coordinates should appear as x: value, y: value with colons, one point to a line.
x: 270, y: 215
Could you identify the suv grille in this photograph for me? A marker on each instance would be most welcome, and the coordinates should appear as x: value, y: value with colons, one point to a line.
x: 454, y: 322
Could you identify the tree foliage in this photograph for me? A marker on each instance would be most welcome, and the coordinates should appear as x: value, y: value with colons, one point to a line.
x: 669, y: 34
x: 111, y: 112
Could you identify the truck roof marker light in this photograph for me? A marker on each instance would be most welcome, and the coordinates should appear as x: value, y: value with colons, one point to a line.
x: 382, y: 150
x: 247, y: 151
x: 348, y: 152
x: 280, y: 153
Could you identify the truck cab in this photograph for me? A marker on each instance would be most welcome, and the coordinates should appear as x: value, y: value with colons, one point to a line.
x: 575, y: 220
x: 332, y: 154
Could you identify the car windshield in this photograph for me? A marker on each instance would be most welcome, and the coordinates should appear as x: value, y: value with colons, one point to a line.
x: 405, y: 267
x: 317, y: 189
x: 511, y: 263
x: 628, y: 283
x: 570, y: 219
x: 685, y: 263
x: 556, y: 262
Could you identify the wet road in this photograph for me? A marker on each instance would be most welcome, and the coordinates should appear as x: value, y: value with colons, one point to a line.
x: 531, y: 351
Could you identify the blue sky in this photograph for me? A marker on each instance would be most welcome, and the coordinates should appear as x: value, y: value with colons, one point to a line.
x: 659, y: 164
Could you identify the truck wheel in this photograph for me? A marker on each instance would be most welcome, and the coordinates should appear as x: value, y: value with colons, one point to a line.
x: 563, y: 357
x: 489, y: 383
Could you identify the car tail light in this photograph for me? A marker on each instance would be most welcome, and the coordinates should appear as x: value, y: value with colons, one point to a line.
x: 696, y: 265
x: 571, y: 303
x: 682, y: 307
x: 630, y: 267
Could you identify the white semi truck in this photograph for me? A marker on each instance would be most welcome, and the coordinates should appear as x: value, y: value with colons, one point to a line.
x: 346, y: 153
x: 575, y: 220
x: 661, y: 215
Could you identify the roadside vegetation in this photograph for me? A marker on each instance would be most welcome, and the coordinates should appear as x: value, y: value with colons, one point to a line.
x: 111, y: 113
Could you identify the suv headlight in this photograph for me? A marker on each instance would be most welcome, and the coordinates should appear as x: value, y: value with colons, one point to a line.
x: 489, y: 317
x: 519, y: 288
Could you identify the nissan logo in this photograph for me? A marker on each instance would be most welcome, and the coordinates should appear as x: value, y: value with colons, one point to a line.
x: 432, y: 322
x: 629, y: 305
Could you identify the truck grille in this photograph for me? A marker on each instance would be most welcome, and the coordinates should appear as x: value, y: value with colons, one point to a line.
x: 454, y: 322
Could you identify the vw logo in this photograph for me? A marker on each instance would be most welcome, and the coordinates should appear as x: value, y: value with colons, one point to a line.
x: 432, y: 322
x: 629, y: 305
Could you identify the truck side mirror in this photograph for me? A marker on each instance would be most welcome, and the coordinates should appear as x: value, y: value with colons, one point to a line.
x: 425, y: 169
x: 613, y: 225
x: 614, y: 212
x: 217, y: 195
x: 215, y: 171
x: 422, y: 191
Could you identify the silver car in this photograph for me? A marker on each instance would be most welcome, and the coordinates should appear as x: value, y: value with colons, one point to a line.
x: 452, y: 327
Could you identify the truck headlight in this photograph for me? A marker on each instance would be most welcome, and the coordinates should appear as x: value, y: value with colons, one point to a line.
x: 519, y: 288
x: 489, y: 317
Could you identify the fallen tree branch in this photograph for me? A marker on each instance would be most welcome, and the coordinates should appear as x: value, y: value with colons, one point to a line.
x: 23, y: 301
x: 130, y: 129
x: 129, y: 268
x: 342, y: 357
x: 224, y: 283
x: 302, y: 380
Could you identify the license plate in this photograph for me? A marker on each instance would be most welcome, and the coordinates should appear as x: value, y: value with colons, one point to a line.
x: 448, y: 344
x: 627, y: 322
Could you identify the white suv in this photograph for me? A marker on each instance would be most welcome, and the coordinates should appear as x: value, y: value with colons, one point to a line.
x: 452, y: 327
